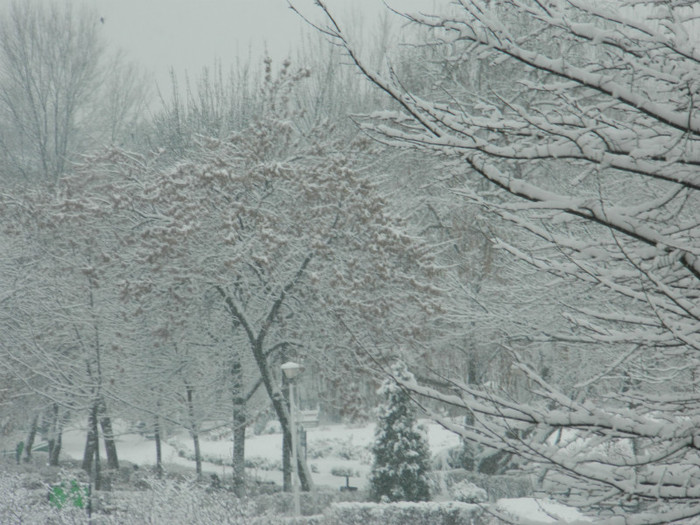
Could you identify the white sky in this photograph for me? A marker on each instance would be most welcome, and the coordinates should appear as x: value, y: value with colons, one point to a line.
x: 190, y: 34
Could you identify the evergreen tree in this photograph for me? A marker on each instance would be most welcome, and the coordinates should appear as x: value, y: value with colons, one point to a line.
x: 401, y: 453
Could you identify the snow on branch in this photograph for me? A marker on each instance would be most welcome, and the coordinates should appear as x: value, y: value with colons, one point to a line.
x: 584, y: 119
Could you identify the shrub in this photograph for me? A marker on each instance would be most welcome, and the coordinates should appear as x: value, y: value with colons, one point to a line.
x: 497, y: 487
x: 467, y: 492
x: 401, y: 454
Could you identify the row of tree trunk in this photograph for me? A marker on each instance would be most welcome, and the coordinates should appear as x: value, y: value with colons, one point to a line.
x: 52, y: 423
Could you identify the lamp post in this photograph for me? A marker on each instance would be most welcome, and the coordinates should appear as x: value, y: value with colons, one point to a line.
x: 291, y: 371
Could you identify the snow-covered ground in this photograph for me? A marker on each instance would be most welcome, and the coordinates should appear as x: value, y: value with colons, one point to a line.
x: 540, y: 511
x: 329, y: 447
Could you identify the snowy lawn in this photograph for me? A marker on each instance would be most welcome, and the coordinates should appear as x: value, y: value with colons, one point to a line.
x: 329, y: 447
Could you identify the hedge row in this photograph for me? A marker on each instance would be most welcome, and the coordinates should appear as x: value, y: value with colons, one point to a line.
x: 403, y: 513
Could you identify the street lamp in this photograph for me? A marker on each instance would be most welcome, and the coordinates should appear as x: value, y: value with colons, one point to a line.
x: 291, y: 371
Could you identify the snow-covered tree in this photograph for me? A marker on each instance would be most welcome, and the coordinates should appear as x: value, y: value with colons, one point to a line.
x: 592, y: 150
x: 61, y: 322
x: 401, y: 452
x: 277, y: 230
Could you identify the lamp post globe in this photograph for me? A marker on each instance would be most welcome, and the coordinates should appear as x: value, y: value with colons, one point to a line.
x: 292, y: 369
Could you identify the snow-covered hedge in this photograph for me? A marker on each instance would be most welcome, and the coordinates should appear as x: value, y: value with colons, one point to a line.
x: 403, y: 513
x: 311, y: 503
x: 318, y: 519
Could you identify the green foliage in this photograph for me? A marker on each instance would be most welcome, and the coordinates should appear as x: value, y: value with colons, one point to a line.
x: 401, y: 453
x: 75, y: 495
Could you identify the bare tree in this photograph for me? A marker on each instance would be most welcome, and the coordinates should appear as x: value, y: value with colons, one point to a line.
x: 594, y: 150
x: 58, y: 86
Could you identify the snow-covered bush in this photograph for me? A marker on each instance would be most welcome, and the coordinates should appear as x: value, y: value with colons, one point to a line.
x: 467, y: 492
x: 497, y: 487
x: 168, y: 502
x: 262, y: 463
x: 24, y: 500
x: 16, y: 502
x: 403, y: 513
x: 401, y: 454
x: 344, y: 472
x: 164, y: 502
x: 452, y: 458
x: 341, y: 448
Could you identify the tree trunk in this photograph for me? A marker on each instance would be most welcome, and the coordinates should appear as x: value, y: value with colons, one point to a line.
x: 53, y: 424
x: 97, y: 470
x: 286, y: 445
x: 194, y: 431
x: 108, y: 437
x: 55, y: 451
x: 91, y: 457
x: 197, y: 453
x: 286, y: 464
x: 30, y: 438
x: 239, y: 426
x: 90, y: 443
x: 159, y: 453
x: 55, y: 435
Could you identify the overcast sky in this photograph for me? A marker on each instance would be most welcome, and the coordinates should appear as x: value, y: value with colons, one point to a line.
x: 191, y: 34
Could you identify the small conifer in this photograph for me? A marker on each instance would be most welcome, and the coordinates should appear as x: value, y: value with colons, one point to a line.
x: 401, y: 453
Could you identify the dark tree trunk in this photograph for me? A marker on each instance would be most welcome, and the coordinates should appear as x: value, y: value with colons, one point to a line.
x: 55, y: 451
x: 53, y: 424
x: 239, y: 481
x: 55, y: 436
x: 197, y: 454
x: 30, y: 438
x: 97, y: 470
x: 286, y: 464
x: 90, y: 444
x: 91, y: 457
x: 239, y: 425
x: 194, y: 430
x: 286, y: 445
x: 108, y: 437
x: 159, y: 452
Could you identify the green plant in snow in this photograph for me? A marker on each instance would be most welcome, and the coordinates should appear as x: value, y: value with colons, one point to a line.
x: 401, y: 453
